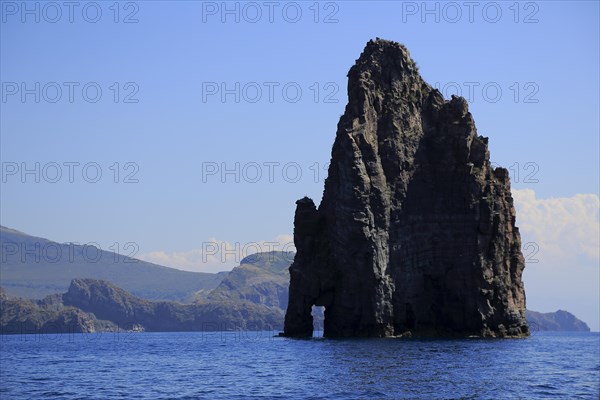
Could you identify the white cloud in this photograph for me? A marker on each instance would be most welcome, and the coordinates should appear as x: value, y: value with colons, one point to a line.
x: 565, y: 271
x: 218, y: 255
x: 562, y: 227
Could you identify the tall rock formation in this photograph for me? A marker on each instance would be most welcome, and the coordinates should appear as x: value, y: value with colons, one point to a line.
x: 416, y: 230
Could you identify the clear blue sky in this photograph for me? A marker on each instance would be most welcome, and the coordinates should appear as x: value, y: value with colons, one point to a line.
x: 548, y: 130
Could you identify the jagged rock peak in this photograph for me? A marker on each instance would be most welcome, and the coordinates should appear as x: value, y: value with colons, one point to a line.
x: 416, y: 230
x: 384, y: 72
x: 385, y: 56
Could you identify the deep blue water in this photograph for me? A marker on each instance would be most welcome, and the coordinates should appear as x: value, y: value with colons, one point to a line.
x: 256, y: 365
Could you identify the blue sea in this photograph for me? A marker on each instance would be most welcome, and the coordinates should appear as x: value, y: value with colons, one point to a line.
x: 239, y: 365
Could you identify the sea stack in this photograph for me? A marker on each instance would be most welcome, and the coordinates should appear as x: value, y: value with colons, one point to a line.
x: 416, y: 230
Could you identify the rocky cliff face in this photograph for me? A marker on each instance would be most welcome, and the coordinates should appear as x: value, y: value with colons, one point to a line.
x: 129, y: 312
x: 47, y: 316
x: 416, y: 230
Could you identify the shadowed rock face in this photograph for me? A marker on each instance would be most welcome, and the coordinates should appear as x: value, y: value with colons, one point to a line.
x: 416, y: 230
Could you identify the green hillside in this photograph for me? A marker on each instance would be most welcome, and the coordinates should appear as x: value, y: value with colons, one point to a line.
x: 30, y: 267
x: 261, y: 278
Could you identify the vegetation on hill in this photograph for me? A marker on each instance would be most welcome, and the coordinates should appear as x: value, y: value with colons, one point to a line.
x: 92, y: 305
x: 34, y: 267
x: 260, y: 278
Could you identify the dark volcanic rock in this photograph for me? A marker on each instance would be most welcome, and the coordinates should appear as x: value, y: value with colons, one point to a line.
x: 416, y: 230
